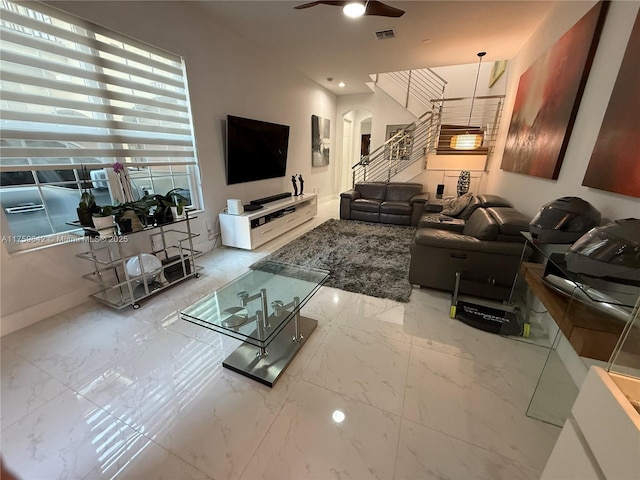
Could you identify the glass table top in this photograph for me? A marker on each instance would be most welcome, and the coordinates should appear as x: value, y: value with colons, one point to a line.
x: 236, y: 309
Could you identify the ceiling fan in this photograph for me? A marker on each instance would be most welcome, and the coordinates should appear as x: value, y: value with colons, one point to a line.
x: 372, y: 7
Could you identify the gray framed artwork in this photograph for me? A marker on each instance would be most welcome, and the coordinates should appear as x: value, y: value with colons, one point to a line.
x: 320, y: 141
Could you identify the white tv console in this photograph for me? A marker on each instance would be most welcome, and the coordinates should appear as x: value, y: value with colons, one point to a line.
x: 249, y: 230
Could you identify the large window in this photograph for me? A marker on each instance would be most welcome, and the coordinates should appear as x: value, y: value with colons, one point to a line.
x: 75, y: 94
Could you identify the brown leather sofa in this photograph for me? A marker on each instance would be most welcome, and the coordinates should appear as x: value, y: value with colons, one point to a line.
x: 394, y: 202
x: 486, y: 250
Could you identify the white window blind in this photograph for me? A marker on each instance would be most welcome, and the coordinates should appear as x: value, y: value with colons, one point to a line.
x: 75, y: 93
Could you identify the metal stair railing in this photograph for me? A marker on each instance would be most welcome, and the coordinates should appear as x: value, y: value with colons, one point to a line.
x: 457, y: 116
x: 422, y: 84
x: 407, y: 146
x: 413, y: 142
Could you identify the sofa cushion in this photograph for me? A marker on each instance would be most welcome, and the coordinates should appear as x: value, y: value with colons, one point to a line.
x: 453, y: 206
x: 365, y: 205
x: 372, y: 191
x: 402, y: 192
x: 510, y: 221
x: 487, y: 200
x: 397, y: 208
x: 481, y: 225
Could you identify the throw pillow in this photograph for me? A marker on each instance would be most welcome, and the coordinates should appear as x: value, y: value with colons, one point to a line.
x: 453, y: 206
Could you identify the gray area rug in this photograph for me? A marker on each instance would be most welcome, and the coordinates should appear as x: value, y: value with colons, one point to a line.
x: 368, y: 258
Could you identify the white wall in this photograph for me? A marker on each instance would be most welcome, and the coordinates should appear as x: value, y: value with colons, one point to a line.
x: 529, y: 193
x: 226, y: 76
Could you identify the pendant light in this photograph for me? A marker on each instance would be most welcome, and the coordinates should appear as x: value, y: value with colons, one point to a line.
x: 469, y: 141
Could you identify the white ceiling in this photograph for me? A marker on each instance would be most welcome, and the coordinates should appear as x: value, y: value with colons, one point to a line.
x: 320, y: 42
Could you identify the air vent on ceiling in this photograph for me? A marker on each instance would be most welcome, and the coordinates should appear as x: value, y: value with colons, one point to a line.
x: 385, y: 34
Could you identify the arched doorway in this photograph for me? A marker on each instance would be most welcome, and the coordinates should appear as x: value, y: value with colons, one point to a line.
x: 356, y: 137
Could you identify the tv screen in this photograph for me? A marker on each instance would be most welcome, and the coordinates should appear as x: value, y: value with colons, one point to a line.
x: 256, y: 150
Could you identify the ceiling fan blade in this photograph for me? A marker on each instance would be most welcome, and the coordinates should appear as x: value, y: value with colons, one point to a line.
x: 378, y: 8
x: 373, y: 7
x: 328, y: 2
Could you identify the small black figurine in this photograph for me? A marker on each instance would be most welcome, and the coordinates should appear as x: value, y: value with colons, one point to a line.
x: 301, y: 184
x: 295, y: 185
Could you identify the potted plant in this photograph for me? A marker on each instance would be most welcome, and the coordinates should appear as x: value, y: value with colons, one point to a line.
x: 137, y: 212
x: 103, y: 219
x: 87, y: 205
x: 170, y: 206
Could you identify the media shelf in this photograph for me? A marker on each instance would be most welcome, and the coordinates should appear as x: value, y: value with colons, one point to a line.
x: 252, y: 229
x: 172, y: 243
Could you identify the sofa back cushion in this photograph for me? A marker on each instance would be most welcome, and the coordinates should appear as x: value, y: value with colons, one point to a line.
x: 510, y: 221
x: 372, y: 190
x: 487, y: 201
x: 481, y: 225
x: 402, y: 192
x: 453, y: 206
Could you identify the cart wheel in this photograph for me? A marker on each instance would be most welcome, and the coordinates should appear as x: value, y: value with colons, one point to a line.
x: 136, y: 306
x: 197, y: 275
x: 526, y: 330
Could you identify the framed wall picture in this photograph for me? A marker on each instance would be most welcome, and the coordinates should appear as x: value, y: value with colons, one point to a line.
x: 320, y: 141
x: 499, y: 67
x: 615, y: 162
x: 548, y: 98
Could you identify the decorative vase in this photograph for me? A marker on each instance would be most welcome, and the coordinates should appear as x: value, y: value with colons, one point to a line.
x: 104, y: 225
x: 464, y: 180
x: 175, y: 215
x: 124, y: 224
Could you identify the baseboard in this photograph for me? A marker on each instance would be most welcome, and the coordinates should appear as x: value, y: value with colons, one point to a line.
x: 29, y: 316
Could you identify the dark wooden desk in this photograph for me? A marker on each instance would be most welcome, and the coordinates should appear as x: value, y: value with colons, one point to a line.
x: 591, y: 332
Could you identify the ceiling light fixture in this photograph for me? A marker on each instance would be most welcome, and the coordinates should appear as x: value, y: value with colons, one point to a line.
x: 469, y: 141
x: 354, y: 9
x: 342, y: 84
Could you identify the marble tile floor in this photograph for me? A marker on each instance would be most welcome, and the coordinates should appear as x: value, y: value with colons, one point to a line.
x: 381, y: 390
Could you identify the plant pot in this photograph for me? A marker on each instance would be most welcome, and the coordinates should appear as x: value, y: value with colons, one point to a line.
x: 162, y: 216
x: 124, y: 224
x: 136, y: 224
x: 105, y: 225
x: 85, y: 217
x: 174, y: 214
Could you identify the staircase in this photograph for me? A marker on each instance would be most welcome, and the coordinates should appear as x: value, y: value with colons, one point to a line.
x: 403, y: 149
x: 413, y: 89
x: 430, y: 134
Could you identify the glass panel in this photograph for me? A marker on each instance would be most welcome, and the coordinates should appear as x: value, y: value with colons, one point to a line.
x: 236, y: 308
x: 626, y: 357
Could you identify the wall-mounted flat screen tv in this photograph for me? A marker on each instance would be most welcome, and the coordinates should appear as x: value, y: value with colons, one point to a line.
x: 256, y: 150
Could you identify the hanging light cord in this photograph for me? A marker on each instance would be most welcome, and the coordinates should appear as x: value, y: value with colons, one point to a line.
x: 475, y: 88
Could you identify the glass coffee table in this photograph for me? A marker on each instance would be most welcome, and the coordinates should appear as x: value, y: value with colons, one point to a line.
x: 261, y: 308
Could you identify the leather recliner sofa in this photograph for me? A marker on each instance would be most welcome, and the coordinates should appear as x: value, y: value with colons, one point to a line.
x: 394, y: 202
x: 486, y: 252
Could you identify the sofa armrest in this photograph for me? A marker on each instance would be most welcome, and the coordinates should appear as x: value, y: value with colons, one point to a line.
x: 351, y: 195
x: 417, y: 207
x: 421, y: 198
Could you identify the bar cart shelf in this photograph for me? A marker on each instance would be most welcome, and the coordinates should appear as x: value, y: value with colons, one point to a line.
x: 109, y: 253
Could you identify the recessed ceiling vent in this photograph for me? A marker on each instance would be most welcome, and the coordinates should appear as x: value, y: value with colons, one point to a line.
x: 385, y: 34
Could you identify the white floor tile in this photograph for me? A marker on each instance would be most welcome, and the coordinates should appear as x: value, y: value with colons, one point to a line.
x: 466, y: 400
x: 64, y: 439
x: 363, y: 366
x: 322, y: 435
x: 24, y: 387
x: 426, y: 454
